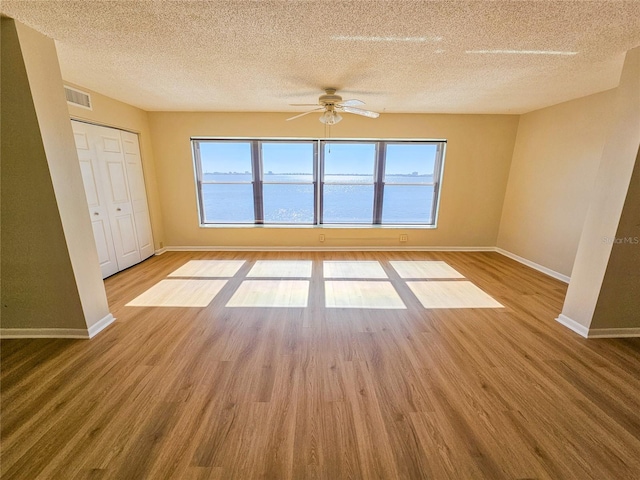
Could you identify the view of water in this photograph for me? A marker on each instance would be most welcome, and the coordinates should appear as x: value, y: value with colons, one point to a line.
x: 347, y: 199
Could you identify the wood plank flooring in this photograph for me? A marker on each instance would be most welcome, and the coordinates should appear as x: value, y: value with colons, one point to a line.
x: 325, y: 393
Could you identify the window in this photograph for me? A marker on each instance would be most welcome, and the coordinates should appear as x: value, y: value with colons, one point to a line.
x: 316, y: 182
x: 348, y: 182
x: 288, y: 190
x: 226, y: 182
x: 408, y: 194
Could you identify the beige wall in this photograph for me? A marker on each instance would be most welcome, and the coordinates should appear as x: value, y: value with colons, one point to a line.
x: 475, y: 176
x: 546, y: 186
x: 554, y: 167
x: 50, y: 273
x: 112, y: 113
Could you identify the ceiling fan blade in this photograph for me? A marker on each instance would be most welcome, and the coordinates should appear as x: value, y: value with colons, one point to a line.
x: 359, y: 111
x: 352, y: 103
x: 304, y: 104
x: 305, y: 113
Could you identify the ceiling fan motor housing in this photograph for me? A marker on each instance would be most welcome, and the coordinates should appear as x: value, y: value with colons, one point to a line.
x: 330, y: 97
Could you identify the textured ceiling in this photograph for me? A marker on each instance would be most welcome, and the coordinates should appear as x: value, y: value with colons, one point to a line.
x: 397, y: 56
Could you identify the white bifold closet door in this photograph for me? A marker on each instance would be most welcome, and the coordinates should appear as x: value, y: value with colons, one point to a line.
x: 114, y: 184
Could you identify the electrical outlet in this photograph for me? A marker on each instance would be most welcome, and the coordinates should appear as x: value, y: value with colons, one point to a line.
x: 322, y: 237
x: 404, y: 238
x: 161, y: 244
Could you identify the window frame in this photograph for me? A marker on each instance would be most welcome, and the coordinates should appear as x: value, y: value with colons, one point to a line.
x: 318, y: 181
x: 322, y: 183
x: 257, y: 199
x: 313, y: 183
x: 436, y: 178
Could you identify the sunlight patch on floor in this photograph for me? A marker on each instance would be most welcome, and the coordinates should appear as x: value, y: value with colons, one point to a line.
x: 358, y: 294
x: 452, y: 294
x: 271, y: 293
x: 208, y: 268
x: 179, y: 293
x: 281, y: 268
x: 425, y: 269
x: 363, y: 269
x: 349, y: 284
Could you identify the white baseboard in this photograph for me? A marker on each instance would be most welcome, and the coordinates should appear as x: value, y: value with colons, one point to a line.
x: 96, y: 328
x: 614, y: 332
x: 44, y: 333
x: 355, y: 248
x: 573, y: 325
x: 598, y: 332
x: 535, y: 266
x: 160, y: 251
x: 79, y: 333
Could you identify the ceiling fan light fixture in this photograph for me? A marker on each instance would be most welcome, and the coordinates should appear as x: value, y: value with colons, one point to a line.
x: 332, y: 104
x: 330, y: 117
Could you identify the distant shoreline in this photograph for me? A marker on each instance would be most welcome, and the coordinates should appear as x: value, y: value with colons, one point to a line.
x: 331, y: 174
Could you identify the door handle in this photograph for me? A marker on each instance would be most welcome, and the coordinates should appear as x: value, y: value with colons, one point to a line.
x: 118, y: 209
x: 96, y: 213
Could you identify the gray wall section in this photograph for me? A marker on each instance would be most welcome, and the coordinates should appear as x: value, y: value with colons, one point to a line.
x: 50, y: 274
x: 38, y: 288
x: 619, y: 301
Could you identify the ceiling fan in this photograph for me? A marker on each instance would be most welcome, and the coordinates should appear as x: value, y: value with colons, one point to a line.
x: 332, y: 104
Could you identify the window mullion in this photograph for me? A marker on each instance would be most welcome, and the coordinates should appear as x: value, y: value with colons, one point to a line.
x: 258, y: 204
x: 320, y: 171
x: 378, y: 182
x: 199, y: 178
x: 436, y: 182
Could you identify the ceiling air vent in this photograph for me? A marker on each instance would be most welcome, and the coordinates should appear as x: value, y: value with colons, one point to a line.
x: 78, y: 98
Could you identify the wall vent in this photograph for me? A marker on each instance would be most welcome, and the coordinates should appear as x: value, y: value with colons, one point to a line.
x: 78, y: 98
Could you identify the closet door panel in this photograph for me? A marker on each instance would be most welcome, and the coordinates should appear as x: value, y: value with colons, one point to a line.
x: 117, y: 183
x: 90, y: 186
x: 114, y: 178
x: 138, y: 193
x: 114, y: 185
x: 104, y: 243
x: 126, y: 232
x: 98, y: 210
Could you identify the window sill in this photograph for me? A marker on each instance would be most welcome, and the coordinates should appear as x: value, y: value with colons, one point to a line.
x: 320, y: 227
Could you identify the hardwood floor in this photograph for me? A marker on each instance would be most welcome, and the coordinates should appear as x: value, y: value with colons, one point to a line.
x: 325, y: 393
